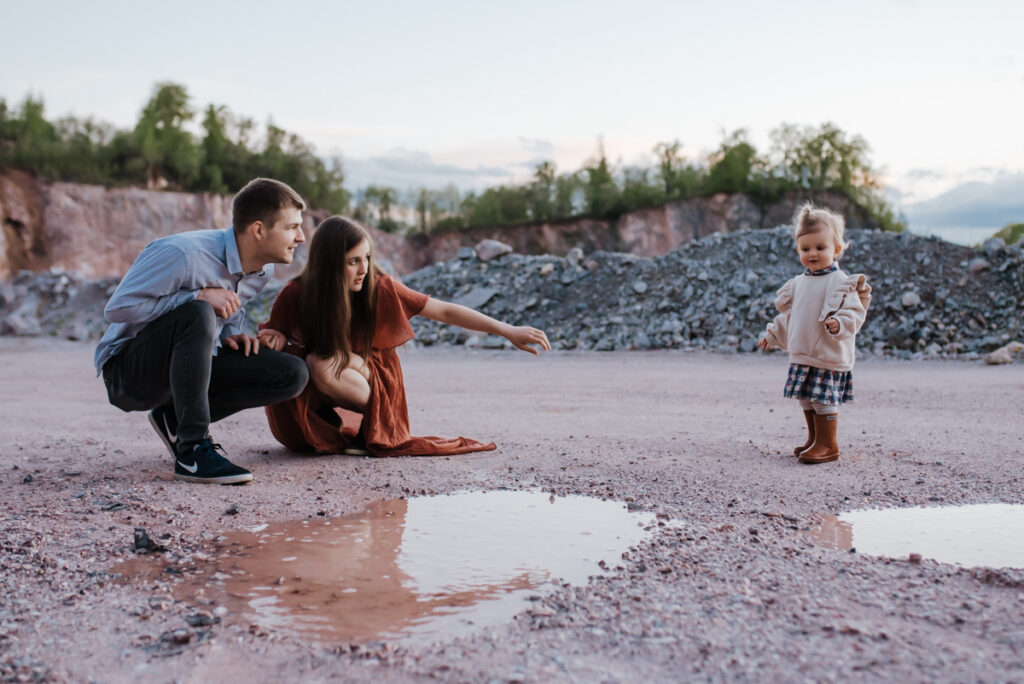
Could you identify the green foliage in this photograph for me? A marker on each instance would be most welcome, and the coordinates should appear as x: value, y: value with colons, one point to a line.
x: 734, y: 166
x: 170, y: 153
x: 160, y: 151
x: 600, y: 192
x: 1011, y: 233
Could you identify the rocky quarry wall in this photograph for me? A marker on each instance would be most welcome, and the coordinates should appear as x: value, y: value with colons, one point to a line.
x: 695, y: 274
x: 97, y: 232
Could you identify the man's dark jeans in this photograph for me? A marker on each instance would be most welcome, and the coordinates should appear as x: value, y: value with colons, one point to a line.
x: 172, y: 361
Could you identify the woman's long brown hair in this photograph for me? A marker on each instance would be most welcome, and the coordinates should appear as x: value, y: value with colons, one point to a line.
x: 327, y: 308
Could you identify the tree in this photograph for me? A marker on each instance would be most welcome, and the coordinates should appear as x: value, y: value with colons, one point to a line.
x: 600, y: 192
x: 216, y: 146
x: 541, y: 192
x: 638, y: 191
x: 166, y: 147
x: 822, y: 158
x: 733, y: 165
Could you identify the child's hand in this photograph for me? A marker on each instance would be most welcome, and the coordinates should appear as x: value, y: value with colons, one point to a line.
x: 762, y: 344
x: 832, y: 325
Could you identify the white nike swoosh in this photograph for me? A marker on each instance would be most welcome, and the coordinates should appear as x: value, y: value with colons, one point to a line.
x: 193, y: 469
x: 167, y: 427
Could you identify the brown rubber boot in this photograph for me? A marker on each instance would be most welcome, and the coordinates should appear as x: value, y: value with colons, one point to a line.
x: 809, y: 417
x: 825, y: 448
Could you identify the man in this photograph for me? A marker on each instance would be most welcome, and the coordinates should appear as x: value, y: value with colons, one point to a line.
x: 176, y: 345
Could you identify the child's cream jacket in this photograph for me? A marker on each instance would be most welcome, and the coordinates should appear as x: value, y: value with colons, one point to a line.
x: 805, y: 302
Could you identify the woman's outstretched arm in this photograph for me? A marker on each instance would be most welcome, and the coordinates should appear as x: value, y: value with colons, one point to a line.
x: 522, y: 336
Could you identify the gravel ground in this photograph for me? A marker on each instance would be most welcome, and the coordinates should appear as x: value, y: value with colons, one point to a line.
x: 736, y: 592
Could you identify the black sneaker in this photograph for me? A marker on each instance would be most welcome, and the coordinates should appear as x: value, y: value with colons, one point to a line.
x: 202, y: 462
x: 357, y: 446
x: 165, y: 422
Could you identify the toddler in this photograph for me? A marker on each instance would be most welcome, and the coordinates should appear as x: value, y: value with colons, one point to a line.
x: 822, y: 310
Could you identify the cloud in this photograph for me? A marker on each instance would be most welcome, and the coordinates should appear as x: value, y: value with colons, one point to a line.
x: 403, y: 168
x: 538, y: 147
x: 975, y: 203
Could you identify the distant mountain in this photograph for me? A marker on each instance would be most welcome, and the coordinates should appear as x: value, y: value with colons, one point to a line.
x: 973, y: 204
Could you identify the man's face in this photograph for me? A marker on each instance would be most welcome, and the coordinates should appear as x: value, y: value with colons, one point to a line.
x: 280, y: 240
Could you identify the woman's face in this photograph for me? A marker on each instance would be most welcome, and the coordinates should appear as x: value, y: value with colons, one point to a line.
x: 357, y: 263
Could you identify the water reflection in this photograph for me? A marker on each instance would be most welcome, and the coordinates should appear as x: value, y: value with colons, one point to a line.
x: 974, y: 535
x: 420, y: 568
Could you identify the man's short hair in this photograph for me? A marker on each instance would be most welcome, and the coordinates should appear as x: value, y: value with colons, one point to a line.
x: 260, y: 200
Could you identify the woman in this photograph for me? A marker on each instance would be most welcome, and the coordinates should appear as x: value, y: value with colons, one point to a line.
x: 347, y: 318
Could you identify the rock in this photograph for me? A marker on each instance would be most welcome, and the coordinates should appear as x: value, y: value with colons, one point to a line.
x: 546, y: 269
x: 477, y: 297
x: 574, y: 257
x: 1004, y: 354
x: 235, y: 509
x: 143, y: 544
x: 639, y: 286
x: 641, y: 341
x: 977, y: 265
x: 993, y: 246
x: 487, y: 250
x: 910, y: 300
x: 202, y: 619
x: 466, y: 253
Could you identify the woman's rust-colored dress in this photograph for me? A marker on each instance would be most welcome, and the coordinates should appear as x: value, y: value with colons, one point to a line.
x: 385, y: 425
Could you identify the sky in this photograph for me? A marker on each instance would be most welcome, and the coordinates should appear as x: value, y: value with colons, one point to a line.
x: 477, y: 93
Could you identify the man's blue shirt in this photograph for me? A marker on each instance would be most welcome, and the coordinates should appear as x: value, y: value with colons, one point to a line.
x: 171, y: 271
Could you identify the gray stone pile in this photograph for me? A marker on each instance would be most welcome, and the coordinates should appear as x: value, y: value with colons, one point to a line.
x: 931, y: 298
x: 55, y: 303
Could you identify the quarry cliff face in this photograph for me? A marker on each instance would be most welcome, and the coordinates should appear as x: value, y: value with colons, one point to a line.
x: 98, y: 232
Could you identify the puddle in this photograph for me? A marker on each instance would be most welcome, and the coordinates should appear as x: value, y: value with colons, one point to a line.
x: 416, y: 569
x: 975, y: 535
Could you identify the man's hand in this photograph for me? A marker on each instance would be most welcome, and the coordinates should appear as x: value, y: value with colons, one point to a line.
x: 272, y: 339
x: 243, y: 342
x: 224, y: 302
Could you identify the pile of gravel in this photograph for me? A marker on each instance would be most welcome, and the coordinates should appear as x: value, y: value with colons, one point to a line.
x: 931, y: 298
x: 55, y: 303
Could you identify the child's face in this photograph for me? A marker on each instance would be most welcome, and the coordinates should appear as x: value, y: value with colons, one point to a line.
x: 817, y: 250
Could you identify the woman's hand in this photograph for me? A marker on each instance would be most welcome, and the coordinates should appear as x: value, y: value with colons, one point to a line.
x: 832, y: 325
x: 272, y: 339
x: 763, y: 345
x: 523, y: 336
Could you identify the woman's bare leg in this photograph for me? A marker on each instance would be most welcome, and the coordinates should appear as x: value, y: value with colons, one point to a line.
x: 350, y: 389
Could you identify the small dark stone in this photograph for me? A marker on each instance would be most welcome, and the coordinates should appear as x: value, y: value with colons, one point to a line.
x: 143, y: 544
x: 202, y: 620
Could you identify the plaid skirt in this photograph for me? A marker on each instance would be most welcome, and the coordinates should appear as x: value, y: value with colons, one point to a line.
x: 819, y: 384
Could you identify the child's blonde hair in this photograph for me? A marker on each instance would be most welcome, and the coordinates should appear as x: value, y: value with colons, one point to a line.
x: 811, y: 219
